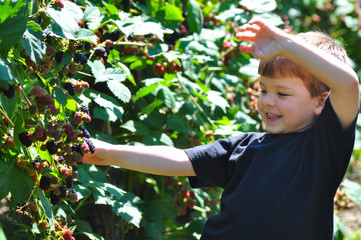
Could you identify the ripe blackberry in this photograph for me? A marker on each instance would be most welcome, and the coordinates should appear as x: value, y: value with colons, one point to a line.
x: 84, y: 109
x: 10, y: 92
x: 59, y: 56
x: 90, y: 144
x: 77, y: 57
x: 83, y: 132
x: 62, y: 192
x: 54, y: 199
x: 51, y: 146
x: 24, y: 139
x: 77, y: 149
x: 44, y: 183
x: 68, y: 86
x: 69, y: 182
x: 80, y: 58
x: 100, y: 52
x: 87, y: 45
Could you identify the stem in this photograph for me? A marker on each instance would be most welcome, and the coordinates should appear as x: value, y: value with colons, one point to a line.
x: 7, y: 117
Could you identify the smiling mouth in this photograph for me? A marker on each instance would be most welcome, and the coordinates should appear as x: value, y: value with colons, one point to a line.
x: 272, y: 117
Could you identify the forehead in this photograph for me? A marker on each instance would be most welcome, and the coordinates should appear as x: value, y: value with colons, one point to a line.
x: 284, y: 82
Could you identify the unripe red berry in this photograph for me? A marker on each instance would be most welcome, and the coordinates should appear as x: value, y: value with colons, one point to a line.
x: 37, y: 92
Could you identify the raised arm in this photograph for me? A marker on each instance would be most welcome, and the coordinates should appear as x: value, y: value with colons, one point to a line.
x: 269, y: 41
x: 159, y: 160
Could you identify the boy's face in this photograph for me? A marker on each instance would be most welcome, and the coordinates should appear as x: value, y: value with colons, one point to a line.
x: 286, y: 105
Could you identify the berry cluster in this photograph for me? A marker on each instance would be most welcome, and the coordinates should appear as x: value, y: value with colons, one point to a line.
x: 341, y: 200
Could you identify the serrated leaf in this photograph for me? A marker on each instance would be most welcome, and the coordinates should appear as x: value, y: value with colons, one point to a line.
x: 104, y: 114
x: 195, y: 16
x: 6, y: 73
x: 32, y: 42
x: 136, y: 127
x: 103, y: 74
x: 8, y: 9
x: 157, y: 49
x: 93, y: 17
x: 157, y: 138
x: 260, y: 6
x: 12, y: 30
x: 119, y: 90
x: 168, y: 97
x: 217, y: 100
x: 107, y: 102
x: 127, y: 72
x: 127, y: 209
x: 175, y: 122
x: 66, y: 26
x: 145, y: 91
x: 59, y: 96
x: 16, y: 181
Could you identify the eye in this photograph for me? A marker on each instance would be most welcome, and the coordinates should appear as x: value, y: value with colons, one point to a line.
x: 283, y: 94
x: 263, y: 91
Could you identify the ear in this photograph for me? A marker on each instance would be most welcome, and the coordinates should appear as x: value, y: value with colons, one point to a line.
x: 320, y: 103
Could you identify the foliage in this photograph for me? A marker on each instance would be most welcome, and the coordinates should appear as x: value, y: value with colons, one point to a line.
x: 131, y: 72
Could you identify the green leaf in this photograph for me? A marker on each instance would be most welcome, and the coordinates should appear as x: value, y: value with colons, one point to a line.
x: 145, y: 91
x: 195, y: 16
x: 47, y: 207
x: 157, y: 49
x: 6, y: 73
x: 104, y: 114
x: 175, y: 122
x: 167, y: 96
x: 59, y: 96
x: 32, y: 42
x: 150, y: 108
x: 93, y: 17
x: 119, y: 90
x: 12, y: 30
x: 103, y: 74
x: 136, y: 127
x: 157, y: 138
x: 8, y: 9
x: 259, y: 6
x: 170, y: 16
x: 107, y: 102
x: 216, y: 100
x: 127, y: 209
x: 16, y: 181
x: 90, y: 173
x: 338, y: 226
x: 66, y: 26
x: 127, y: 72
x: 352, y: 190
x: 151, y: 28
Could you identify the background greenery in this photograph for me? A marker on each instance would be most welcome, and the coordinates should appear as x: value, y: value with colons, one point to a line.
x: 159, y: 72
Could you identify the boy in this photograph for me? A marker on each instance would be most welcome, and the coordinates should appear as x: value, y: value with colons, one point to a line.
x: 279, y: 184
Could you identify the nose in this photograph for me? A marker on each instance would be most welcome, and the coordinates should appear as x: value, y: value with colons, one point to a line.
x: 267, y: 99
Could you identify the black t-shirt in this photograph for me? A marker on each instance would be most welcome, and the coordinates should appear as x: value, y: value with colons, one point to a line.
x: 275, y: 186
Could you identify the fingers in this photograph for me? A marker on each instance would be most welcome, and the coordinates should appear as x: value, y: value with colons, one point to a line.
x: 246, y: 49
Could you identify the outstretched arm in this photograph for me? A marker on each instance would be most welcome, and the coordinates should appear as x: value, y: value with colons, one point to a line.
x: 269, y: 41
x: 159, y: 160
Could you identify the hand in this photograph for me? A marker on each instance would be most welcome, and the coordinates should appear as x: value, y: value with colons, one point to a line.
x: 267, y: 40
x: 97, y: 157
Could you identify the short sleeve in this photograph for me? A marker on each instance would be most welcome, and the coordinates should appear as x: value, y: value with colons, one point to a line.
x: 338, y: 142
x: 211, y: 162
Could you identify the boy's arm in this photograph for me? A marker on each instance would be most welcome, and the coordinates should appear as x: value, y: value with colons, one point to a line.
x: 159, y: 160
x: 269, y: 41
